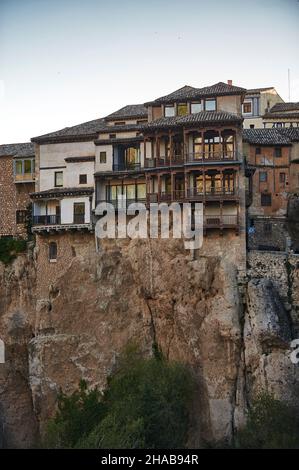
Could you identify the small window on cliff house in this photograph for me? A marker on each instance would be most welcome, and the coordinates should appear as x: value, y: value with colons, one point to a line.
x: 82, y: 179
x: 53, y: 251
x: 282, y: 178
x: 21, y: 216
x: 266, y: 199
x: 277, y: 152
x: 258, y: 150
x: 263, y: 176
x: 267, y: 228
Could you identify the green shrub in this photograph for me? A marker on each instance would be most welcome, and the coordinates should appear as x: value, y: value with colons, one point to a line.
x: 9, y: 248
x: 271, y: 424
x: 146, y: 405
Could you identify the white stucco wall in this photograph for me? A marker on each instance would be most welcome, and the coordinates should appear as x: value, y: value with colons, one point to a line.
x: 67, y: 209
x: 109, y: 158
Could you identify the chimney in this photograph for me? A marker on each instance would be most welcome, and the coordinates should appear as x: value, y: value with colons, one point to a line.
x: 229, y: 82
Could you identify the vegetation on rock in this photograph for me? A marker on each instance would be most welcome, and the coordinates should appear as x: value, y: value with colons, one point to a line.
x: 146, y: 405
x: 9, y: 248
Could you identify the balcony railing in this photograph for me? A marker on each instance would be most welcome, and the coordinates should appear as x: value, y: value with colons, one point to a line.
x: 198, y: 157
x: 164, y: 161
x: 126, y: 166
x: 218, y: 221
x: 46, y: 220
x: 122, y: 203
x: 24, y: 177
x: 192, y: 194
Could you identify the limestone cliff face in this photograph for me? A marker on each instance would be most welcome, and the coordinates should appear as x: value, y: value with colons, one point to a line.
x: 234, y: 337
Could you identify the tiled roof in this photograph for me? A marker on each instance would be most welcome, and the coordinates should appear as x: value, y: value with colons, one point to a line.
x: 130, y: 111
x: 193, y: 119
x: 84, y: 130
x: 268, y: 136
x: 283, y: 110
x: 17, y: 150
x: 61, y: 192
x: 188, y: 92
x: 258, y: 90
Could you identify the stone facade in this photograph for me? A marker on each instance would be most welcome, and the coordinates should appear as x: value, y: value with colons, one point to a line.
x: 13, y: 197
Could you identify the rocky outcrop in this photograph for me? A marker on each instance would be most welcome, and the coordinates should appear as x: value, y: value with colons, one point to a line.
x: 234, y: 337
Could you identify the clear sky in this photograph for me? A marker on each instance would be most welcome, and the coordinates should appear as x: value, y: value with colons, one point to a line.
x: 63, y: 62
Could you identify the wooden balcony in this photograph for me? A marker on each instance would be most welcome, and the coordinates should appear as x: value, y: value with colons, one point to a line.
x: 160, y: 162
x: 220, y: 221
x: 127, y: 167
x: 200, y: 157
x: 193, y: 194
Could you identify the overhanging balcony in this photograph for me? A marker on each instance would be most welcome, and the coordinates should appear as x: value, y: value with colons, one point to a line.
x: 127, y: 166
x: 199, y: 157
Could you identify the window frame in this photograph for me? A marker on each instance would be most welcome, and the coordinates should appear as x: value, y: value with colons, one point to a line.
x: 265, y: 173
x: 21, y: 216
x: 169, y: 106
x: 102, y: 154
x: 265, y: 196
x: 277, y: 152
x: 83, y: 176
x: 56, y: 173
x: 210, y: 100
x: 53, y: 252
x: 196, y: 103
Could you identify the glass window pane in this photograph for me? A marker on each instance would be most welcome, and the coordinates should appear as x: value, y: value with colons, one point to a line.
x: 182, y: 109
x: 169, y: 111
x: 141, y: 191
x: 27, y: 166
x: 131, y: 191
x: 19, y: 167
x: 210, y: 105
x: 196, y: 108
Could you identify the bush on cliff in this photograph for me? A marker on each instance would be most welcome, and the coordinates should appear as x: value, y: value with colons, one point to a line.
x: 146, y: 405
x: 271, y: 424
x: 9, y: 248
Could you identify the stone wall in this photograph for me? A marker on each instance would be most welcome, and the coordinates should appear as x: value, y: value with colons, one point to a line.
x: 267, y: 233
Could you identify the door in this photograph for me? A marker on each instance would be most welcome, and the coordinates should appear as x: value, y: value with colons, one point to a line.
x: 79, y: 213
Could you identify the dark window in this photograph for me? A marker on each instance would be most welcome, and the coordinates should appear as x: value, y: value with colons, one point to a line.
x: 112, y: 136
x: 258, y: 150
x: 282, y: 177
x: 210, y: 105
x: 141, y: 121
x: 52, y: 251
x: 263, y: 176
x: 277, y: 152
x: 251, y: 126
x: 82, y: 179
x: 120, y: 123
x: 103, y: 157
x: 182, y: 109
x: 21, y: 216
x: 267, y: 228
x: 58, y: 179
x: 247, y: 108
x: 266, y: 200
x: 79, y: 212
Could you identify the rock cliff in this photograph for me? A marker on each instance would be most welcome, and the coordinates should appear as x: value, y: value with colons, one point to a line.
x: 234, y: 334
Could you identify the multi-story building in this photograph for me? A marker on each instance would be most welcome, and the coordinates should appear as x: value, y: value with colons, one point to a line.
x: 17, y: 174
x: 257, y: 102
x: 282, y: 115
x: 272, y: 160
x: 189, y: 150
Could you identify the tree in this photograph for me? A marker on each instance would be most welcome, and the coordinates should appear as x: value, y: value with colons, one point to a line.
x: 271, y: 424
x: 146, y: 405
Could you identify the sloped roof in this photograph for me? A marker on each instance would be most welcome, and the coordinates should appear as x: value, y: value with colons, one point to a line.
x: 258, y: 90
x: 130, y: 111
x: 271, y: 136
x: 188, y: 92
x: 208, y: 117
x: 89, y: 129
x: 17, y: 150
x: 283, y: 110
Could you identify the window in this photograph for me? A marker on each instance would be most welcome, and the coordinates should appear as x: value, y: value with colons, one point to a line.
x: 58, y: 179
x: 196, y: 107
x: 53, y: 251
x: 141, y: 191
x: 247, y: 107
x: 267, y: 228
x: 103, y: 157
x: 24, y: 169
x: 282, y: 178
x: 82, y: 179
x: 79, y: 212
x: 251, y: 126
x: 120, y: 123
x: 277, y: 152
x: 21, y: 216
x: 263, y: 176
x: 258, y: 150
x: 169, y: 111
x: 210, y: 105
x: 141, y: 121
x: 182, y: 109
x: 266, y: 199
x: 112, y: 136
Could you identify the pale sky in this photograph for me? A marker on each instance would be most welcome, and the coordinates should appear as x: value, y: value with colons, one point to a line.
x: 63, y: 62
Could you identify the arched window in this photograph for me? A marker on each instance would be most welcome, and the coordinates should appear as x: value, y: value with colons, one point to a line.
x: 52, y: 251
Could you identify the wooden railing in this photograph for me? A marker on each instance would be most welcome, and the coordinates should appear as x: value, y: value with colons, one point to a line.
x: 23, y: 178
x: 46, y: 220
x: 218, y: 221
x: 198, y: 157
x: 191, y: 194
